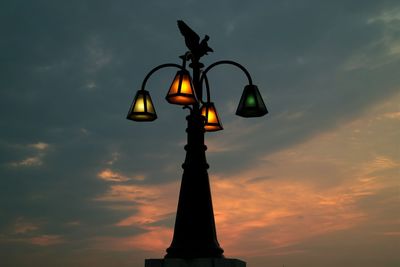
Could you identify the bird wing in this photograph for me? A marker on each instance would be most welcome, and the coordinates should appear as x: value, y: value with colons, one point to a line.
x: 188, y: 33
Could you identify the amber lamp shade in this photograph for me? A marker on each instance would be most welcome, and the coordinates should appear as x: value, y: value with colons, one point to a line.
x: 212, y: 121
x: 181, y: 91
x: 251, y: 103
x: 142, y: 108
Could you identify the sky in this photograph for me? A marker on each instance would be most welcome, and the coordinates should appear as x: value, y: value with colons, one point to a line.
x: 313, y: 183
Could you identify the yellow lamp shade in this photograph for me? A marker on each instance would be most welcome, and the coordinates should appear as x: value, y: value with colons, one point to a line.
x: 212, y: 121
x: 142, y: 108
x: 181, y: 91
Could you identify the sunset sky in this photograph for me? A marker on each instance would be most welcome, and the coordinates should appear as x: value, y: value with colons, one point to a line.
x: 313, y: 183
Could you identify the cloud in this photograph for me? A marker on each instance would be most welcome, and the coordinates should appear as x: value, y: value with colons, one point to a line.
x: 393, y: 115
x: 152, y: 202
x: 22, y: 226
x: 40, y: 146
x: 383, y: 50
x: 30, y: 161
x: 114, y: 158
x: 46, y: 240
x: 37, y: 240
x: 110, y: 176
x: 320, y: 66
x: 154, y: 239
x: 286, y: 198
x: 99, y: 57
x: 235, y: 132
x: 29, y: 232
x: 386, y: 16
x: 73, y: 223
x: 271, y: 215
x: 36, y: 160
x: 313, y: 189
x: 391, y: 233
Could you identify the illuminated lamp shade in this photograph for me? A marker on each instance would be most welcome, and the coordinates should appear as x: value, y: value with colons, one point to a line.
x: 181, y: 91
x: 142, y: 108
x: 251, y: 103
x: 212, y: 121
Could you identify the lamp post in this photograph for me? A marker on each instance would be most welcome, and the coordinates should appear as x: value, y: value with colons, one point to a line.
x: 195, y: 233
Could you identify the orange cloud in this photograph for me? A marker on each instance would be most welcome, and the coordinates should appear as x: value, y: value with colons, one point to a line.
x: 393, y: 115
x: 27, y: 232
x: 112, y: 176
x: 154, y: 239
x: 39, y: 240
x: 309, y: 190
x: 152, y: 203
x: 22, y: 226
x: 252, y: 217
x: 46, y: 240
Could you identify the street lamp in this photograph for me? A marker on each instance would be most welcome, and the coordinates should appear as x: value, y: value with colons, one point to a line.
x: 194, y: 233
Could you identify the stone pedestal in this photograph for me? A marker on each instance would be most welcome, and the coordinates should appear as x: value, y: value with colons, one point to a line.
x: 199, y: 262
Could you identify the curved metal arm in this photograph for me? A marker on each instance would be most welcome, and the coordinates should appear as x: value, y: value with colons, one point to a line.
x: 207, y: 87
x: 158, y: 68
x: 228, y: 62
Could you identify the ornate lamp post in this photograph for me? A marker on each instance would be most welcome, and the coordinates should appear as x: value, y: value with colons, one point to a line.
x: 195, y: 234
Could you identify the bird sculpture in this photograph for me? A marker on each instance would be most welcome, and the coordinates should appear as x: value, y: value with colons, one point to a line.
x: 192, y: 40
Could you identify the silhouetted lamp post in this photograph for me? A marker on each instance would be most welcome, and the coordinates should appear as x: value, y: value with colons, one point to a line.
x: 194, y: 234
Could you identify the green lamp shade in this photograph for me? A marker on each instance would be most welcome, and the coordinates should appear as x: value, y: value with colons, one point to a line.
x: 142, y: 108
x: 212, y: 122
x: 181, y: 91
x: 251, y: 103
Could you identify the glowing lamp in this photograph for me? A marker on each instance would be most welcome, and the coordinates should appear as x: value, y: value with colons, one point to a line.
x: 142, y: 108
x: 212, y: 121
x: 251, y: 103
x: 181, y: 91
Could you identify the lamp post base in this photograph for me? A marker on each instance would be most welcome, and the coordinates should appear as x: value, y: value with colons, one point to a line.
x: 197, y: 262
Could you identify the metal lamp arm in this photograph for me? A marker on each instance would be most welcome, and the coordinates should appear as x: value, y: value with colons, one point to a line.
x: 204, y: 76
x: 167, y: 65
x: 227, y: 62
